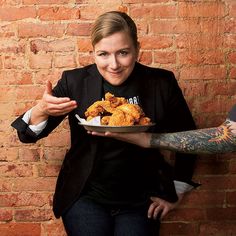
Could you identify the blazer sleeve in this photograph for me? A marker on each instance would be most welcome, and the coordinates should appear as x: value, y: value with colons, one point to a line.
x: 25, y: 134
x: 179, y: 118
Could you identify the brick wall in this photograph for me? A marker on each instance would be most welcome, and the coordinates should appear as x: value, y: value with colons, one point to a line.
x: 41, y: 38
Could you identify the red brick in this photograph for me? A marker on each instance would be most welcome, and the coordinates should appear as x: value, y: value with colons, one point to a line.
x: 34, y: 184
x: 197, y: 57
x: 5, y: 216
x: 219, y: 229
x: 221, y: 88
x: 201, y: 9
x: 33, y: 215
x: 230, y: 41
x: 29, y: 154
x: 58, y: 139
x: 212, y: 167
x: 232, y: 73
x: 28, y: 30
x: 153, y: 12
x: 47, y: 74
x: 65, y: 61
x: 232, y: 166
x: 159, y: 42
x: 11, y: 14
x: 52, y: 154
x: 165, y: 57
x: 16, y: 170
x: 45, y: 1
x: 51, y: 170
x: 193, y: 89
x: 145, y: 1
x: 20, y: 229
x: 231, y: 197
x: 198, y: 42
x: 145, y: 57
x: 230, y: 26
x: 78, y: 29
x: 164, y: 27
x: 14, y: 62
x: 21, y: 107
x: 232, y: 9
x: 58, y: 13
x: 9, y: 154
x: 203, y: 73
x: 60, y: 45
x: 85, y: 59
x: 29, y: 93
x: 84, y: 45
x: 92, y: 11
x: 178, y: 228
x: 7, y: 30
x: 24, y: 199
x: 232, y: 57
x: 204, y: 199
x: 217, y: 214
x: 12, y: 46
x: 41, y: 61
x: 184, y: 214
x: 54, y: 228
x: 217, y: 182
x: 5, y: 185
x: 15, y: 77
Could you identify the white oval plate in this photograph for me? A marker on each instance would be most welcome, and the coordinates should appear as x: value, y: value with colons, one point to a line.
x: 117, y: 129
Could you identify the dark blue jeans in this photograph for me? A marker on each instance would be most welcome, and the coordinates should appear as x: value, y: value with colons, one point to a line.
x: 87, y: 218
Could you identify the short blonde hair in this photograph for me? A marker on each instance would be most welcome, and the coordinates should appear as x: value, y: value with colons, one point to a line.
x: 113, y: 22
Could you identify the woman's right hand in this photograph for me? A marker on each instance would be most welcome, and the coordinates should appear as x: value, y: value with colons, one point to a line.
x: 50, y: 105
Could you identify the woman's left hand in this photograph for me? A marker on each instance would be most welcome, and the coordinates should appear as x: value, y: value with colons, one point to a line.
x: 159, y: 208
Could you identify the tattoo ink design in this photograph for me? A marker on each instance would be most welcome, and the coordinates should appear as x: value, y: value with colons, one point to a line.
x: 220, y: 139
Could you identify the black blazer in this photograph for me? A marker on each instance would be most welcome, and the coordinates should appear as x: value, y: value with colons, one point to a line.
x: 161, y: 100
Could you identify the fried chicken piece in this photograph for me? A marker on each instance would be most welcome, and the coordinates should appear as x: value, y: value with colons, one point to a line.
x: 98, y: 108
x: 132, y: 109
x: 105, y: 120
x: 116, y: 111
x: 144, y: 121
x: 120, y: 118
x: 115, y: 101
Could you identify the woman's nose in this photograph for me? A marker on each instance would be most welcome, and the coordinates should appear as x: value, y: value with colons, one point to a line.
x: 114, y: 64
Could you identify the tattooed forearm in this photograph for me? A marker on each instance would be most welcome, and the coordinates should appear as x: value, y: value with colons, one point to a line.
x: 220, y: 139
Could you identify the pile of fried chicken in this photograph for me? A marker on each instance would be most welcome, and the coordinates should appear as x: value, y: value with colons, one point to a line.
x: 116, y: 111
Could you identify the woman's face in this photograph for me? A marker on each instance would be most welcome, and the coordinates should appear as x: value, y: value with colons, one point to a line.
x: 115, y: 57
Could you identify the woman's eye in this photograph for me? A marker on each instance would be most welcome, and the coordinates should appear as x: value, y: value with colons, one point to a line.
x: 123, y: 53
x: 102, y: 54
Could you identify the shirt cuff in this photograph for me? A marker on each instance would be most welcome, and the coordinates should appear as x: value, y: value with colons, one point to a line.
x: 182, y: 187
x: 37, y: 129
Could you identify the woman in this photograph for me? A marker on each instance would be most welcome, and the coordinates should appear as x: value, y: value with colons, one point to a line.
x: 221, y: 139
x: 105, y: 186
